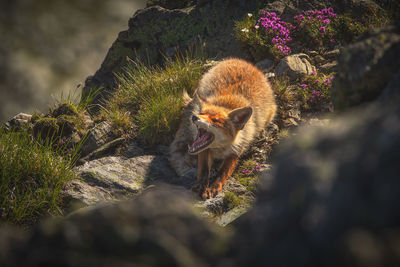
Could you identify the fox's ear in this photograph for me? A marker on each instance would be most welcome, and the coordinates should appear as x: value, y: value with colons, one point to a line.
x: 186, y: 97
x: 240, y: 116
x: 198, y: 96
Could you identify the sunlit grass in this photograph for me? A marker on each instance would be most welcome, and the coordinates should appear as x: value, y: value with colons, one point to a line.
x: 32, y: 176
x: 150, y: 99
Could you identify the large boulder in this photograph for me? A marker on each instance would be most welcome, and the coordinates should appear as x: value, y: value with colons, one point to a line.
x: 331, y: 199
x: 366, y: 67
x: 154, y: 32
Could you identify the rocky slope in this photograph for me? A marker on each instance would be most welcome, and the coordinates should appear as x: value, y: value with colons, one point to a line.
x: 329, y: 199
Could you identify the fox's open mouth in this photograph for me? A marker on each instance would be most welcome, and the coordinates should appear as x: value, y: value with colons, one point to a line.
x: 202, y: 141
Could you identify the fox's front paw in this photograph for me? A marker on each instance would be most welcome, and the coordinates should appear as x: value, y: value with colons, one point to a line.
x: 203, y: 191
x: 215, y: 188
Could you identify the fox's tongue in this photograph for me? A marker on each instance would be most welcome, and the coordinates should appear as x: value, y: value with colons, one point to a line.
x: 203, y: 139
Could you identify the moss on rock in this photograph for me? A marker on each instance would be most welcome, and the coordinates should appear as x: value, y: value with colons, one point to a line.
x: 65, y: 109
x: 45, y: 128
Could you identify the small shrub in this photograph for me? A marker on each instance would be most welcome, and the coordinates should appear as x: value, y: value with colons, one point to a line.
x: 315, y: 92
x: 231, y: 200
x: 151, y: 98
x: 315, y: 29
x: 32, y: 176
x: 265, y: 36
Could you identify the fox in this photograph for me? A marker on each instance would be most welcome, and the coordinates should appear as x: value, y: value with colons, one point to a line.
x: 232, y: 104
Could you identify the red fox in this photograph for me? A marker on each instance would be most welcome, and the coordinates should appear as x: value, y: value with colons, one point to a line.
x: 233, y: 103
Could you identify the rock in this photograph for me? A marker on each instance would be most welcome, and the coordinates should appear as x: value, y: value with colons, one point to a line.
x: 102, y: 151
x: 160, y: 228
x: 332, y: 55
x: 366, y: 67
x: 329, y: 67
x: 113, y: 178
x: 312, y: 53
x: 18, y: 121
x: 295, y: 66
x: 330, y: 198
x: 391, y: 94
x: 318, y: 59
x: 230, y: 216
x: 265, y: 65
x: 174, y: 4
x: 154, y: 30
x: 100, y: 134
x: 133, y: 150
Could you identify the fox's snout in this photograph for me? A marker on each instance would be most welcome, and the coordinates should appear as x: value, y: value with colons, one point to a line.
x: 195, y: 118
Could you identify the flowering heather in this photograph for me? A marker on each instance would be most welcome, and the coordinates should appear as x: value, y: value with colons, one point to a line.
x: 315, y: 91
x: 315, y: 27
x: 276, y: 30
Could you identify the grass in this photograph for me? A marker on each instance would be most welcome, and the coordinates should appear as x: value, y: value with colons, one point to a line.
x: 32, y: 176
x: 231, y: 200
x: 150, y: 99
x: 247, y: 174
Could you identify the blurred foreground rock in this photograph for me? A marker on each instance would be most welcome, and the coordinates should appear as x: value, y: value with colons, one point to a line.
x: 157, y: 229
x: 366, y: 67
x: 331, y: 199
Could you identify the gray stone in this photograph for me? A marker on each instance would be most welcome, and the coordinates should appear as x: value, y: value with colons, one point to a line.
x: 100, y: 134
x: 329, y: 67
x: 265, y: 65
x: 233, y: 214
x: 294, y: 66
x: 115, y: 178
x: 391, y: 94
x: 332, y: 55
x: 18, y: 121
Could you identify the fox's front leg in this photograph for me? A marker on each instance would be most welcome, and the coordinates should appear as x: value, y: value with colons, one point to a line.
x: 204, y: 163
x: 226, y: 170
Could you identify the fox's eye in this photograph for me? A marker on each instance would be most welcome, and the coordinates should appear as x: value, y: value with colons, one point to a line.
x: 215, y: 120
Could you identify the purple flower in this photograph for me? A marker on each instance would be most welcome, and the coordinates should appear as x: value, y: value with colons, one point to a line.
x: 322, y: 29
x: 258, y: 167
x: 326, y: 21
x: 313, y: 73
x: 246, y: 171
x: 304, y: 85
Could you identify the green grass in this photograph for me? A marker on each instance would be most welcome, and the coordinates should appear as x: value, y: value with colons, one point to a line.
x: 231, y: 200
x: 32, y: 176
x: 150, y: 99
x: 247, y: 174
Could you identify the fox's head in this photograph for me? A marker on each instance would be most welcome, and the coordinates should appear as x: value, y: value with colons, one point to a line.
x: 218, y: 127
